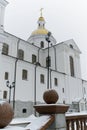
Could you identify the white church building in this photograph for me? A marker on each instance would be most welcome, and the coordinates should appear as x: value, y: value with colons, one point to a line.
x: 26, y: 64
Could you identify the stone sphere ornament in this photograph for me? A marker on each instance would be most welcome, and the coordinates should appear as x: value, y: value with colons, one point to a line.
x: 6, y: 114
x: 50, y: 96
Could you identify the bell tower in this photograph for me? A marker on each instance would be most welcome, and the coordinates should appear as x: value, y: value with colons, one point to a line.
x: 3, y: 4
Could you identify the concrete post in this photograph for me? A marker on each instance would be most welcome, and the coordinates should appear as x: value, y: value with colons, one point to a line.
x: 58, y: 111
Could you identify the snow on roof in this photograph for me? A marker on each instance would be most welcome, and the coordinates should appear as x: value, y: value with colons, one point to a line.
x: 23, y: 120
x: 36, y: 123
x: 13, y: 128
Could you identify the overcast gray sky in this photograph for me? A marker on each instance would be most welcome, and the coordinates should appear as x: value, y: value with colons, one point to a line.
x: 66, y: 19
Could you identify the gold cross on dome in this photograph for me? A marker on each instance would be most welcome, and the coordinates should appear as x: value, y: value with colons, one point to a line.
x: 41, y: 12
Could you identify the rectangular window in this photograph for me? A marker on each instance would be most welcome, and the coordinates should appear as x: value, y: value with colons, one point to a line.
x: 5, y: 49
x: 24, y: 110
x: 5, y: 95
x: 55, y: 81
x: 42, y: 78
x: 64, y: 102
x: 20, y: 54
x: 24, y: 74
x: 48, y: 61
x: 6, y: 75
x: 34, y: 58
x: 63, y: 90
x: 42, y: 44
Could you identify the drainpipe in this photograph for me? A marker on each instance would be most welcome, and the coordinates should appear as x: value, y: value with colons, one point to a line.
x: 55, y: 57
x: 35, y: 86
x: 15, y: 74
x: 48, y: 40
x: 50, y: 79
x: 38, y: 53
x: 55, y: 67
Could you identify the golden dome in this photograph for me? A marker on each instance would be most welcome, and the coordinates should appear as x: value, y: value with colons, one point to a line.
x: 40, y: 31
x: 41, y: 19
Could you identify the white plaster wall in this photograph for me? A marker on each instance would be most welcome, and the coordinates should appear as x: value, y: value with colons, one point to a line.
x: 60, y: 86
x: 25, y: 88
x: 60, y: 60
x: 45, y: 55
x: 77, y: 66
x: 84, y: 84
x: 40, y: 87
x: 36, y: 39
x: 7, y: 65
x: 12, y: 42
x: 3, y: 4
x: 73, y: 89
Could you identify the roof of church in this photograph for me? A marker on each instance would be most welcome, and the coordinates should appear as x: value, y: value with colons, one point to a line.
x: 41, y: 19
x: 40, y: 31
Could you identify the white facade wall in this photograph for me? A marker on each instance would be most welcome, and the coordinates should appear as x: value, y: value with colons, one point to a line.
x: 36, y: 40
x: 7, y: 65
x: 73, y: 89
x: 60, y: 86
x: 3, y: 4
x: 40, y: 87
x: 60, y: 61
x: 25, y: 90
x: 84, y: 84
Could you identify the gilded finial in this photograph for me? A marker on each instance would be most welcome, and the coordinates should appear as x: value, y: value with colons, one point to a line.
x: 41, y: 12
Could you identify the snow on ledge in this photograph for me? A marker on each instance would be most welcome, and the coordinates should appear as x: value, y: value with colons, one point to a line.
x: 76, y: 113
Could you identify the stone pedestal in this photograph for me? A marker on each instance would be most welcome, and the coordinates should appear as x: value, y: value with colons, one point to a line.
x: 58, y: 111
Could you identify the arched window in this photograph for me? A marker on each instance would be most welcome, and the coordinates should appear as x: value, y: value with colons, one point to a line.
x: 71, y: 66
x: 48, y: 61
x: 5, y: 49
x: 20, y: 54
x: 42, y: 44
x: 34, y: 58
x: 55, y: 81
